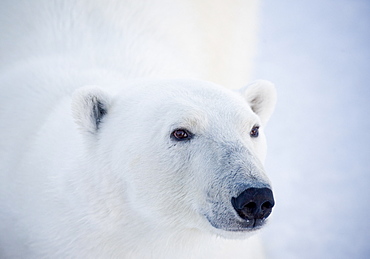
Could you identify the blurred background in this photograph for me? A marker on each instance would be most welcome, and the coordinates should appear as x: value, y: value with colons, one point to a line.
x: 318, y: 55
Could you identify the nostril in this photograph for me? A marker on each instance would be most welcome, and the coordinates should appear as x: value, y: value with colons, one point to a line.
x: 267, y: 205
x: 250, y: 208
x: 251, y: 205
x: 254, y: 203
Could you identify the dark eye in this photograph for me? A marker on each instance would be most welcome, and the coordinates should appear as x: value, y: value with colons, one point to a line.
x: 181, y: 134
x: 254, y: 132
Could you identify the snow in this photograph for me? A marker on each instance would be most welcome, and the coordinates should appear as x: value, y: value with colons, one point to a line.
x: 317, y: 53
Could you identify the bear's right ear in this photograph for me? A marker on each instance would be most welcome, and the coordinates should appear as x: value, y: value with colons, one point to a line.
x: 89, y: 106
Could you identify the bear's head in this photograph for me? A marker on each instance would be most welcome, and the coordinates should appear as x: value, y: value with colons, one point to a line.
x: 183, y: 154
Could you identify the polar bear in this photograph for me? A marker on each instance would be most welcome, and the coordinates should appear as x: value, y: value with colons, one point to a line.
x: 154, y: 171
x: 100, y: 159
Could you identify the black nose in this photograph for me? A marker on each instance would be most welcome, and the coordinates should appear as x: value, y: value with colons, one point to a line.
x: 254, y: 203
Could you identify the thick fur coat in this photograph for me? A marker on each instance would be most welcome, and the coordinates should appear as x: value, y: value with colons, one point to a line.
x: 104, y: 154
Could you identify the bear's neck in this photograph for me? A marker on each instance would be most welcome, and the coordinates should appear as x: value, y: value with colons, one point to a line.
x: 111, y: 227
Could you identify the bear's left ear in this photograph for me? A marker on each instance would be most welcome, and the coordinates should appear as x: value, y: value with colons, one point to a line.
x: 261, y: 96
x: 89, y: 106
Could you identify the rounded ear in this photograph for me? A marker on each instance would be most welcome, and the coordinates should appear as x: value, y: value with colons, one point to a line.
x: 89, y: 106
x: 261, y: 96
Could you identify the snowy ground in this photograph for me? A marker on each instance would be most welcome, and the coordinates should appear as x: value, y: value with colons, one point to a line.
x: 318, y: 54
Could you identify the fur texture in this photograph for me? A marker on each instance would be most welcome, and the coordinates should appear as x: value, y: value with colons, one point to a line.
x: 95, y: 171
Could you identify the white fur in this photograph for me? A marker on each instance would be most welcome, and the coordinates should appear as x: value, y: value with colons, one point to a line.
x: 72, y: 186
x: 261, y: 96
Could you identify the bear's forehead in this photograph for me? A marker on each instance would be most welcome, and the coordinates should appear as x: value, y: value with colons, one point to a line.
x: 186, y: 94
x: 189, y: 100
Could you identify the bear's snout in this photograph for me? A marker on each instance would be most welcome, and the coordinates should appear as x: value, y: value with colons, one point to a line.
x: 254, y: 204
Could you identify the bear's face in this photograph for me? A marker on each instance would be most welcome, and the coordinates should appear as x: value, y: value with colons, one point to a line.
x: 184, y: 150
